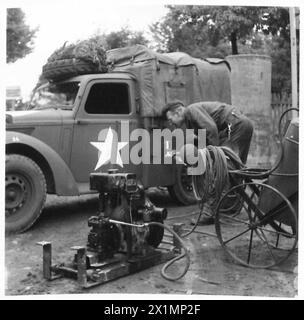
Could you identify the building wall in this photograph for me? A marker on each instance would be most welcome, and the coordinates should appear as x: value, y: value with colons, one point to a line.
x: 251, y: 92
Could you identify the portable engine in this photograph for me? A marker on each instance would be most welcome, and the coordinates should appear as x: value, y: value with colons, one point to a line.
x: 124, y: 236
x: 123, y: 203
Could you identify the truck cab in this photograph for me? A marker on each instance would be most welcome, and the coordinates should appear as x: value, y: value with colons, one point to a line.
x: 50, y: 146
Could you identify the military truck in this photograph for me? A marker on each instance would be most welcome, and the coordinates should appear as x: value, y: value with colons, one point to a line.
x: 49, y: 146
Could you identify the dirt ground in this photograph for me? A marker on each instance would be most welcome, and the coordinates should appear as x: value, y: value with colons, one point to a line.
x: 64, y: 223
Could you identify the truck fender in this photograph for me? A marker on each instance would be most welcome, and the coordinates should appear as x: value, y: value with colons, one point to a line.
x: 64, y: 182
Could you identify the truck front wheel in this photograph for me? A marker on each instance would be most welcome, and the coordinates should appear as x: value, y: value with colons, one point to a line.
x: 25, y: 193
x: 182, y: 192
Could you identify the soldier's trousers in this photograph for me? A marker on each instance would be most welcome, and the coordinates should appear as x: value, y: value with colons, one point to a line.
x: 239, y: 138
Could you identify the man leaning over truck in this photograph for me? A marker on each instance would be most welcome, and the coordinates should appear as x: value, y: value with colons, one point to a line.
x: 225, y: 126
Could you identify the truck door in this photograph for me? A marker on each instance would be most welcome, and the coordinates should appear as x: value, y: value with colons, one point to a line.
x: 105, y: 104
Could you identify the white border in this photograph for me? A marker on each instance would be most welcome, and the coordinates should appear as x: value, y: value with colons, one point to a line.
x: 21, y: 3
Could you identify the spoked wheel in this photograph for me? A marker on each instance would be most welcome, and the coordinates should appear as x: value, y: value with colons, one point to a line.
x: 257, y: 237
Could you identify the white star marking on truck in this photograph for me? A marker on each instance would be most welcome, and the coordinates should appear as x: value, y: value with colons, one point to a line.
x: 107, y: 152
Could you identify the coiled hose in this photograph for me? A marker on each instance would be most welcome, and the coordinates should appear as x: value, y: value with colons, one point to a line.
x: 210, y: 186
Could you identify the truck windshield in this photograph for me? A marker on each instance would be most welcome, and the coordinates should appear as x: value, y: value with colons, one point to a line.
x: 55, y: 95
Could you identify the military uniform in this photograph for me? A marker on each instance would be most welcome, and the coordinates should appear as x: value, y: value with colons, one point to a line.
x: 224, y: 124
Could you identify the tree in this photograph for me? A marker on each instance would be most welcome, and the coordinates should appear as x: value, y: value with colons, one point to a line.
x: 276, y: 22
x: 19, y: 41
x: 236, y: 22
x: 279, y: 50
x: 122, y: 38
x: 205, y: 25
x: 217, y: 31
x: 180, y: 30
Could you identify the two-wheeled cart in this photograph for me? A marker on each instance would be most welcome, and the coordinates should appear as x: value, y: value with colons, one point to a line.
x: 260, y: 229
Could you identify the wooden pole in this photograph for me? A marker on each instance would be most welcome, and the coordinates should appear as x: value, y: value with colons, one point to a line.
x: 293, y: 48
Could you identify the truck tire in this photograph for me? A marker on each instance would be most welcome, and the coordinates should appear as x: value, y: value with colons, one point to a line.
x: 181, y: 191
x: 25, y: 193
x: 66, y: 68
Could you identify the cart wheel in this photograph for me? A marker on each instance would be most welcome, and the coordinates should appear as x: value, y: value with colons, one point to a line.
x: 257, y: 238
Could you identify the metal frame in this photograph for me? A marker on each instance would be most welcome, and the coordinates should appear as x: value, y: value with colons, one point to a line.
x: 92, y: 274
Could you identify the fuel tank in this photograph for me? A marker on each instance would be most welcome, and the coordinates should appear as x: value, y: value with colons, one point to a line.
x: 285, y: 177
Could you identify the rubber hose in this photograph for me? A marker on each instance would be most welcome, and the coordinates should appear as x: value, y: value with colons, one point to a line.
x: 169, y: 263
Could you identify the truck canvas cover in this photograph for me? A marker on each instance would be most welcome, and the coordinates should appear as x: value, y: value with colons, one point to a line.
x: 172, y: 76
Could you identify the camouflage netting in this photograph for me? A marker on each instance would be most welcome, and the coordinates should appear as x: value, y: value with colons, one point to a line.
x: 87, y: 56
x: 90, y: 50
